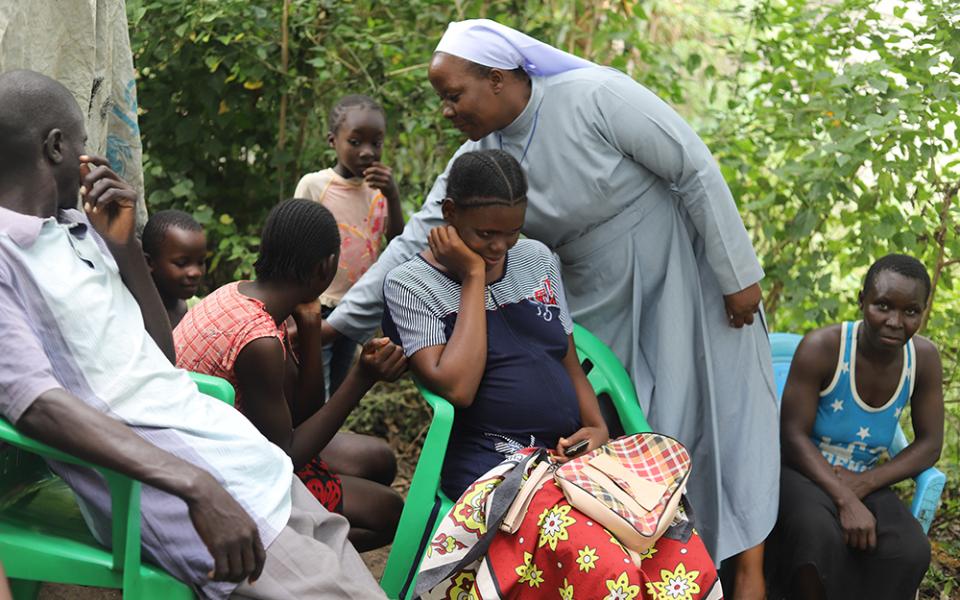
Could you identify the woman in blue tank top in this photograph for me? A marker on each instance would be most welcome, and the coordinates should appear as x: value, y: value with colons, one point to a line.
x: 841, y: 530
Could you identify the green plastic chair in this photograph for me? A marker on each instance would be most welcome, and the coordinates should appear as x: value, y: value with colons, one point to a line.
x: 425, y: 502
x: 43, y: 536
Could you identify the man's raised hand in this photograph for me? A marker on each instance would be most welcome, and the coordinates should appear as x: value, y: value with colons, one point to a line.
x: 110, y: 203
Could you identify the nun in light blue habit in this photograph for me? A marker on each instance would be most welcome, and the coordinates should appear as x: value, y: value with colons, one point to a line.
x: 656, y: 260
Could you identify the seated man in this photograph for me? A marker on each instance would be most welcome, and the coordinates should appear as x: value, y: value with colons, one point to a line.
x: 85, y: 366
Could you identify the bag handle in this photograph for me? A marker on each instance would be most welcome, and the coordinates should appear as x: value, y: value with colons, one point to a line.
x: 682, y: 531
x: 502, y: 499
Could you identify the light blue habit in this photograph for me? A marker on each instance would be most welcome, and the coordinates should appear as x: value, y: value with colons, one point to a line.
x: 650, y: 240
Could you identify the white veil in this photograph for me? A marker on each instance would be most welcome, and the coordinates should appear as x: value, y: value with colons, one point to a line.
x: 491, y: 44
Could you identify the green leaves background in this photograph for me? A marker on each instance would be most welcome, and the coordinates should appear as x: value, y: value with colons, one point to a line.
x: 835, y: 123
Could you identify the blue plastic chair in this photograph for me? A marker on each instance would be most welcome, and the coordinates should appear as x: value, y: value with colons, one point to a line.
x: 926, y: 498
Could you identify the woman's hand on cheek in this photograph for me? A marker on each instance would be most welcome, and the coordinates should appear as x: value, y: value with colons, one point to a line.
x: 450, y: 251
x: 596, y: 436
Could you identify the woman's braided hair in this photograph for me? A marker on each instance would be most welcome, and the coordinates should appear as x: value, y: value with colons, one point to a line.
x: 297, y: 236
x: 340, y: 109
x: 485, y: 177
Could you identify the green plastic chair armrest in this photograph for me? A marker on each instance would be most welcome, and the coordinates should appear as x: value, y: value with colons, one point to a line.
x: 124, y: 497
x: 423, y: 488
x: 215, y: 387
x: 608, y: 376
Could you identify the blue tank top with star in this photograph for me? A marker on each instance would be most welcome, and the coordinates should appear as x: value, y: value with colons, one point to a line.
x: 849, y: 432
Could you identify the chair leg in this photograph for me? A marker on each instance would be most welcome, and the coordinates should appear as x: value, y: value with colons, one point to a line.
x: 24, y: 589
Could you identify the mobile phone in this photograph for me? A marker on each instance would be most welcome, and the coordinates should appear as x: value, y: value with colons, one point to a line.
x: 576, y: 448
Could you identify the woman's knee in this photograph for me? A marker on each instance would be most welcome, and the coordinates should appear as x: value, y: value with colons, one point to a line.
x: 810, y: 525
x: 910, y: 549
x: 379, y: 461
x: 362, y: 456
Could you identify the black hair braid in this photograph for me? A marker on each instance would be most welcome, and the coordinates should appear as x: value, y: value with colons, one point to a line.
x: 161, y: 222
x: 486, y: 177
x: 902, y: 264
x: 340, y: 109
x: 297, y: 236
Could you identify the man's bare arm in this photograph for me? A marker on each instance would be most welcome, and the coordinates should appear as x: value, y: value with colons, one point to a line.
x: 110, y: 204
x: 224, y: 526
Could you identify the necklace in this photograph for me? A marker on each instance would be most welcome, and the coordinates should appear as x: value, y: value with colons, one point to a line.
x: 533, y: 130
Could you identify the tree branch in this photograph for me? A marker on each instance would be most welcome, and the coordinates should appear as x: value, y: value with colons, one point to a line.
x: 284, y: 64
x: 940, y: 237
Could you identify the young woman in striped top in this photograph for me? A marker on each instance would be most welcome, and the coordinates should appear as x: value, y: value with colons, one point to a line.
x: 482, y: 318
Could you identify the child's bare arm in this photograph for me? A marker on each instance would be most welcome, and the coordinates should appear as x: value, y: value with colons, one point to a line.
x: 310, y: 389
x: 260, y: 372
x: 380, y: 359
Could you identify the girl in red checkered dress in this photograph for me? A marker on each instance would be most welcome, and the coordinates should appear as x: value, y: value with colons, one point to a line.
x: 238, y: 333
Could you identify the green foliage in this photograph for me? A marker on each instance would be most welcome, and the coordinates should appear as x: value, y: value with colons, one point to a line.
x: 835, y: 125
x: 234, y: 95
x: 840, y: 144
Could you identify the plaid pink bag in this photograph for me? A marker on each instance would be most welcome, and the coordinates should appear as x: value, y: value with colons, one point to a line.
x: 631, y: 485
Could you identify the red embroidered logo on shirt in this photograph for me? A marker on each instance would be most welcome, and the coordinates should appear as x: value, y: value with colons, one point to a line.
x: 546, y: 294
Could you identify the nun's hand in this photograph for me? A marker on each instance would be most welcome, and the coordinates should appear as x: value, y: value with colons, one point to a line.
x: 742, y: 305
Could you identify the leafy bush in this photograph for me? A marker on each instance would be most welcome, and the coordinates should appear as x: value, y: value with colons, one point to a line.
x: 835, y: 125
x: 234, y: 94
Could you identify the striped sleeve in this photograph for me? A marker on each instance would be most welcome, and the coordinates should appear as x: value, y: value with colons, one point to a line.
x: 553, y: 271
x: 417, y: 326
